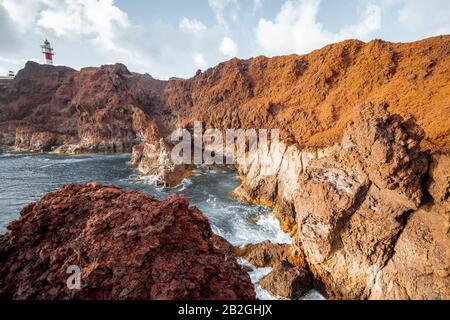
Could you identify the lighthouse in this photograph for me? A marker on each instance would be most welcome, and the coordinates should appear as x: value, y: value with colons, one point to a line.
x: 47, y: 50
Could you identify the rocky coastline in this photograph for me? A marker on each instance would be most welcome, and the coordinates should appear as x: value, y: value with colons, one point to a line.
x: 362, y: 179
x: 126, y: 246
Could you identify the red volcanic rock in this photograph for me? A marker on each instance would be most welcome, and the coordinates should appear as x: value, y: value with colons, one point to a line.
x: 310, y: 97
x: 94, y: 110
x: 127, y: 245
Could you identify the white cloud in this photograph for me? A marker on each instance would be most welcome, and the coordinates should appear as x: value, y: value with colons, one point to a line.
x: 224, y: 11
x: 199, y: 61
x: 228, y: 47
x: 425, y: 18
x: 8, y: 33
x: 13, y: 64
x: 369, y: 22
x: 257, y: 4
x: 88, y: 32
x: 23, y: 13
x: 98, y: 19
x: 191, y: 26
x: 296, y: 29
x: 95, y: 20
x: 94, y: 32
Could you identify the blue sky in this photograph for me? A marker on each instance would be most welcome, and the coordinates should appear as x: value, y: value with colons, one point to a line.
x: 177, y: 37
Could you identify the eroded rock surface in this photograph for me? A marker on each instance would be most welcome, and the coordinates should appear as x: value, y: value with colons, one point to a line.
x: 372, y: 213
x: 127, y: 245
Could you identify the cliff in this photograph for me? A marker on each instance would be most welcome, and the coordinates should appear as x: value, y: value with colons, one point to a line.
x: 125, y: 244
x: 309, y: 97
x: 369, y: 217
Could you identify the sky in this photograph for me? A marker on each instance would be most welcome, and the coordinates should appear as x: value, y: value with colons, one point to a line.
x: 177, y: 37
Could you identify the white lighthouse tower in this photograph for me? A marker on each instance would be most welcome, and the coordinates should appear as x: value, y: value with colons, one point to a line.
x: 47, y: 50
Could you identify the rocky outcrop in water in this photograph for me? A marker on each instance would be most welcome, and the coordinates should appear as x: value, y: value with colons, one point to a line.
x: 127, y: 246
x: 286, y: 281
x: 155, y: 160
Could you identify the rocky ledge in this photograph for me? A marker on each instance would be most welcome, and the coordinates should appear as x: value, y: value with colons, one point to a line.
x: 362, y: 169
x: 127, y: 246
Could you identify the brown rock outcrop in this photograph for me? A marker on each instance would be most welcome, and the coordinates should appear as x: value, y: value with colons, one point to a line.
x: 310, y: 98
x: 267, y: 254
x: 127, y: 246
x: 361, y: 213
x: 438, y: 182
x: 350, y: 193
x: 419, y: 268
x: 155, y: 160
x: 286, y: 281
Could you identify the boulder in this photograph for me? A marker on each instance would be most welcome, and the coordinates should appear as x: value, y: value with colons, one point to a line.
x: 438, y: 181
x: 419, y: 269
x: 126, y: 245
x: 286, y: 281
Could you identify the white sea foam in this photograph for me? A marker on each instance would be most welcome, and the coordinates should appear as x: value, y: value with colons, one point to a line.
x: 71, y: 160
x: 186, y: 182
x: 313, y: 295
x: 270, y: 223
x: 255, y: 275
x: 151, y: 180
x: 5, y: 155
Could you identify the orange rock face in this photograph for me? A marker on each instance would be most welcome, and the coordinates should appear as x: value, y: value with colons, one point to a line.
x: 371, y: 213
x: 311, y: 97
x: 126, y: 245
